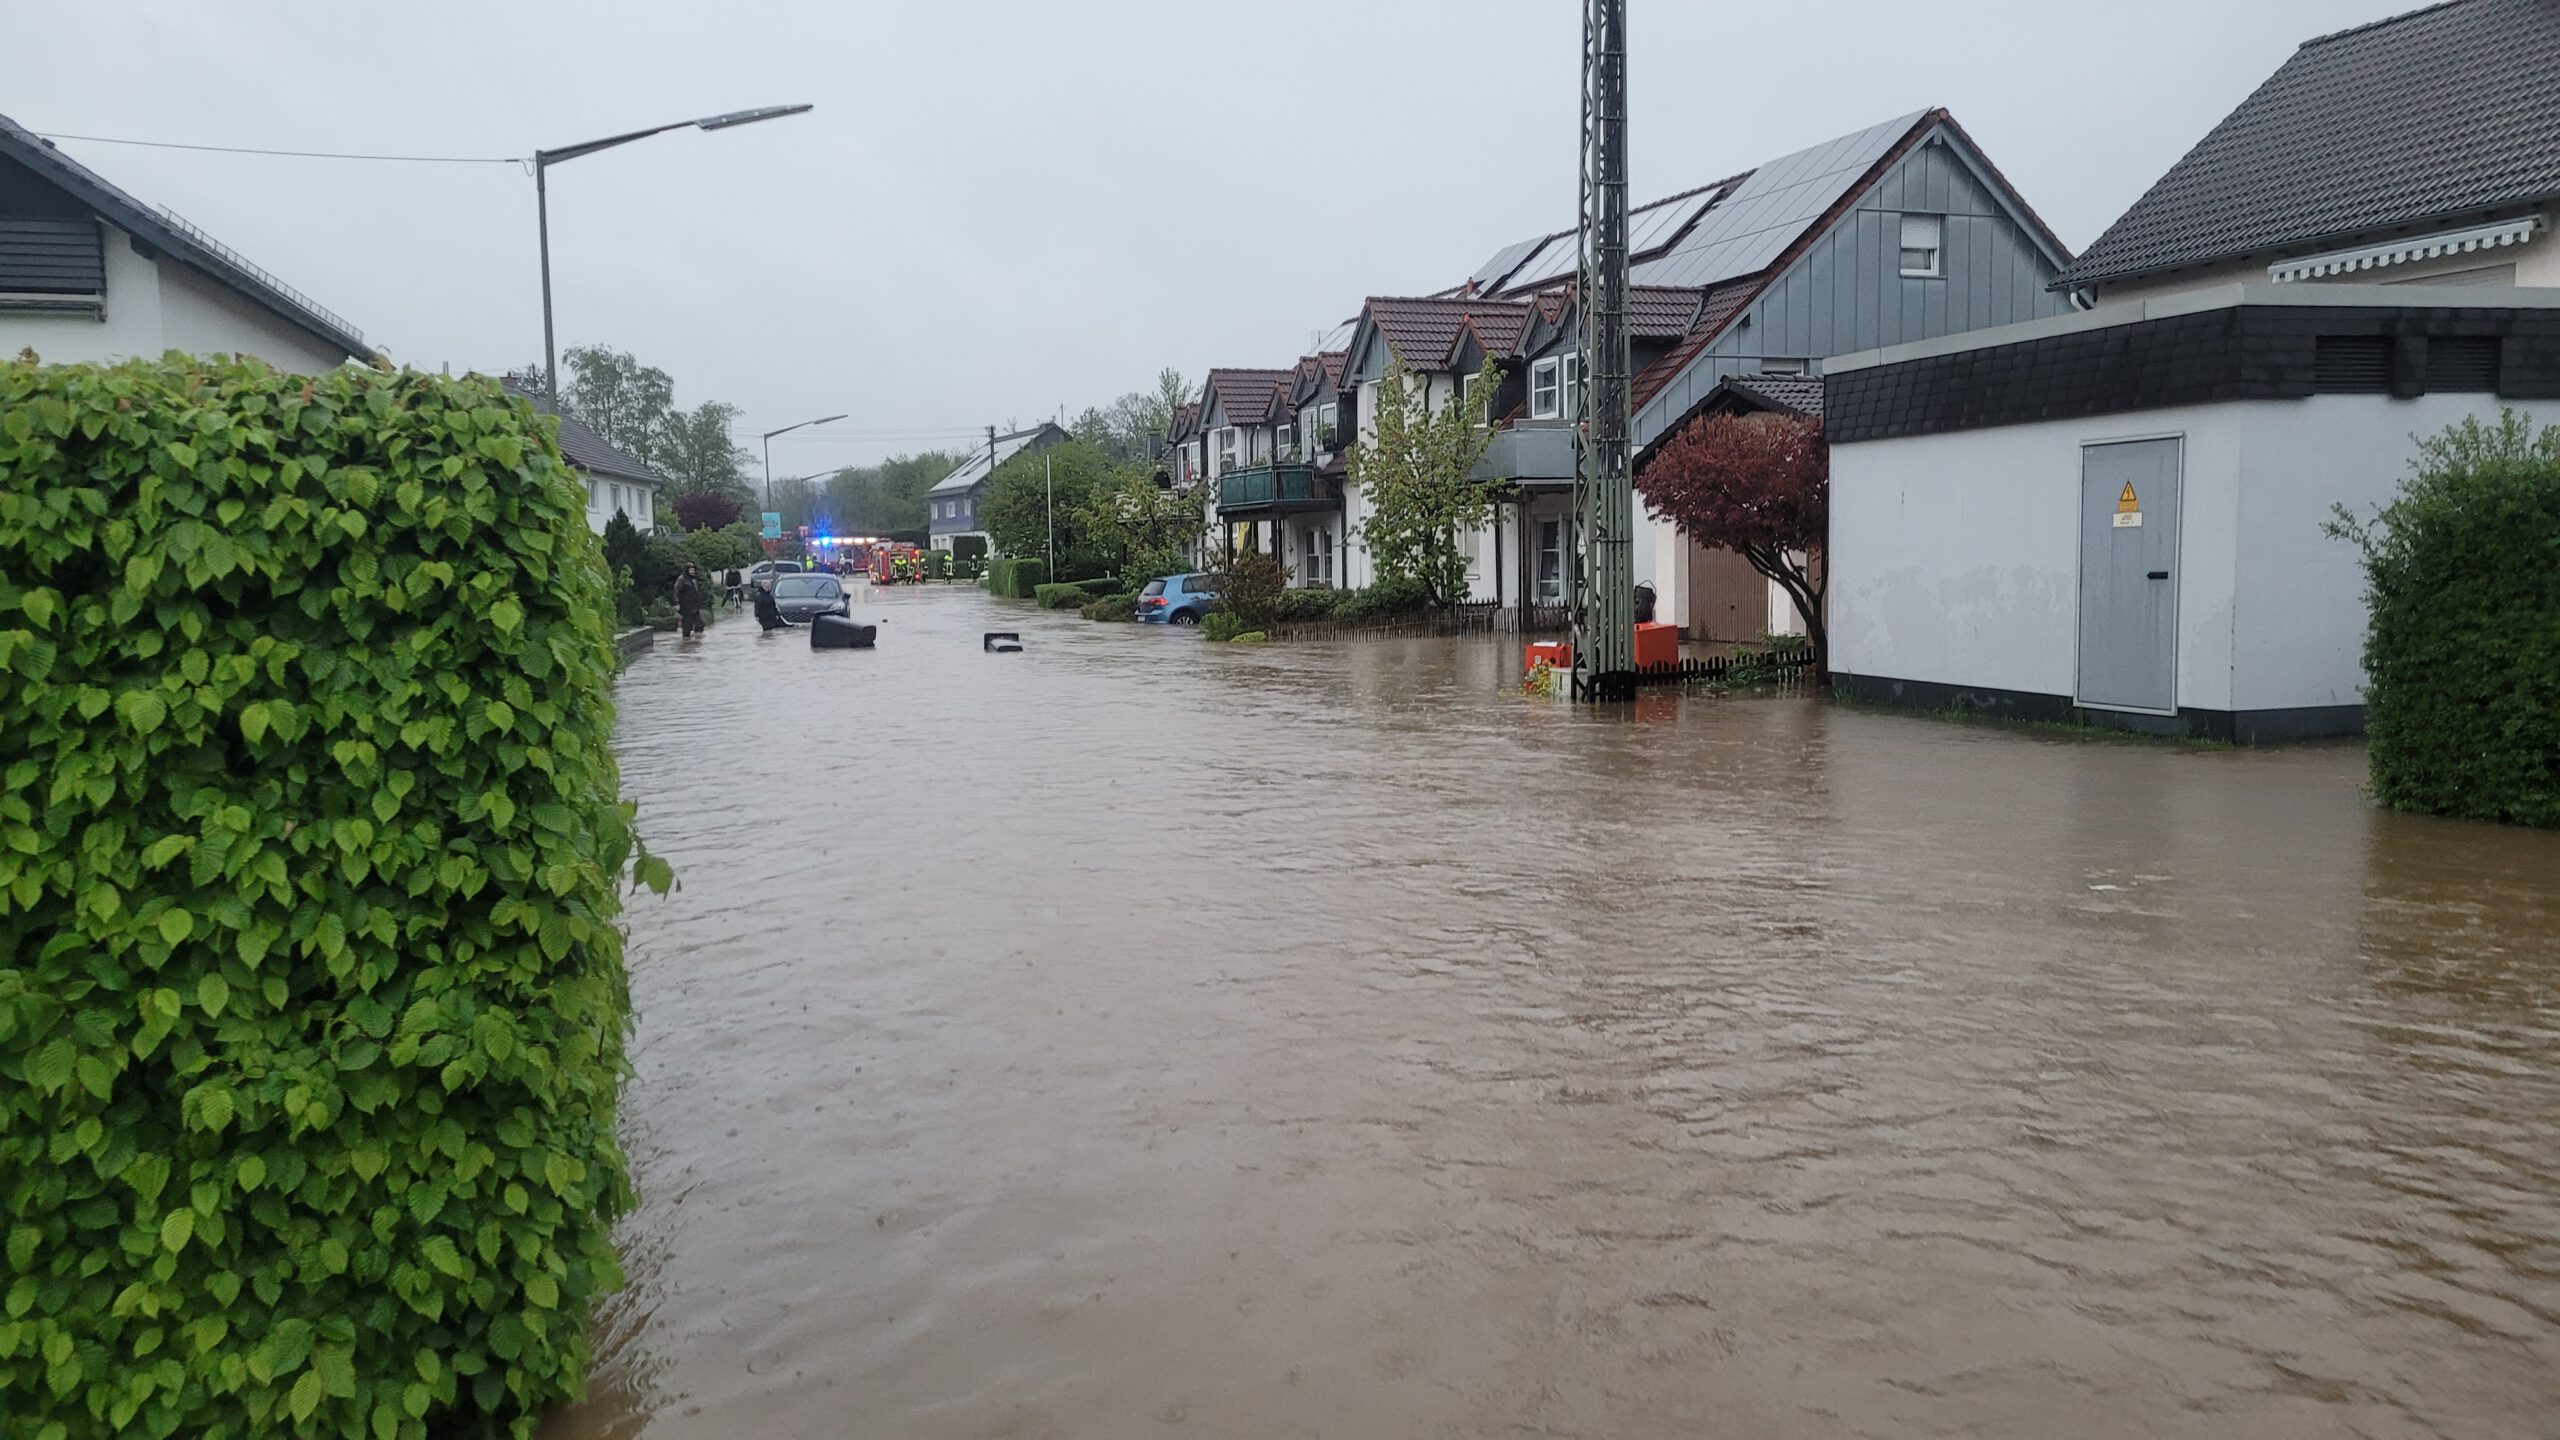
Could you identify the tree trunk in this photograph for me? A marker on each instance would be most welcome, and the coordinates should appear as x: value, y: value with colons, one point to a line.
x: 1780, y: 567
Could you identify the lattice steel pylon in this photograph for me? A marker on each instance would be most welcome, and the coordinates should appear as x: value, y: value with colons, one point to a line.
x: 1604, y: 602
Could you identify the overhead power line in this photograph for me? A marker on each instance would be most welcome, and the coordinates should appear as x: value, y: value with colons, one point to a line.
x: 296, y: 154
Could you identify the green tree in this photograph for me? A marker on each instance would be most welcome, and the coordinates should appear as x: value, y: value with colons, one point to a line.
x: 1016, y: 509
x: 1416, y: 473
x: 617, y: 397
x: 1140, y: 526
x: 694, y: 448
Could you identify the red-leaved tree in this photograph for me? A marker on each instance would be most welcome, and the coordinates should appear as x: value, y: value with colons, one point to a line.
x: 703, y: 510
x: 1757, y: 484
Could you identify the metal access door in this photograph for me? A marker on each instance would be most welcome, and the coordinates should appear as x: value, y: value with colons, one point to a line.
x: 2128, y: 576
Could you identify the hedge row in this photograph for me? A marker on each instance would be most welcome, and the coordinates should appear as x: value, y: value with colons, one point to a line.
x: 2462, y: 657
x: 313, y: 1004
x: 1016, y: 579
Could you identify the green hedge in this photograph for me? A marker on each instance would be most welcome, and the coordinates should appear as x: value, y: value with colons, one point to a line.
x: 1110, y: 607
x: 1065, y: 595
x: 1016, y: 579
x: 313, y: 1006
x: 2462, y: 657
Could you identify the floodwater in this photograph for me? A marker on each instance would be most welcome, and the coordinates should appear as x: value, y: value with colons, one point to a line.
x: 1134, y: 1036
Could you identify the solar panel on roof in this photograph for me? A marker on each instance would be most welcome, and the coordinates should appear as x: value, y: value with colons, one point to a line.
x: 1505, y: 259
x: 1770, y: 209
x: 1656, y: 225
x: 1557, y: 258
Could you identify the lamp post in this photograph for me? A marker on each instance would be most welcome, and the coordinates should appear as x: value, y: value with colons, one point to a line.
x: 768, y: 450
x: 543, y: 160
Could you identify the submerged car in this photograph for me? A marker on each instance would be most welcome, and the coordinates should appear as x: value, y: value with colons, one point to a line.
x: 764, y: 573
x: 802, y: 598
x: 1177, y: 599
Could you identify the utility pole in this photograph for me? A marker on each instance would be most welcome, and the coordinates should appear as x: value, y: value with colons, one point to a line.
x: 1604, y: 483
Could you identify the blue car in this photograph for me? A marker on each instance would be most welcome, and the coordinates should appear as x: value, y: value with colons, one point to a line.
x: 1176, y: 600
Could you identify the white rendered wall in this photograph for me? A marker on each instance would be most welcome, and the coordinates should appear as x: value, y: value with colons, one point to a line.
x: 201, y: 317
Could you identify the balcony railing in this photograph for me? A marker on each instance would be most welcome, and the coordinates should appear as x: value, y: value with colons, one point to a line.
x: 1267, y: 485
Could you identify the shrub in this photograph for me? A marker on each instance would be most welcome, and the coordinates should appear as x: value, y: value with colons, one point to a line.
x: 2462, y: 654
x: 937, y: 564
x: 1016, y: 579
x: 1300, y: 606
x: 1066, y: 595
x: 313, y: 1007
x: 1221, y: 625
x: 662, y: 559
x: 1111, y: 607
x: 661, y: 615
x: 1387, y: 597
x: 1250, y: 584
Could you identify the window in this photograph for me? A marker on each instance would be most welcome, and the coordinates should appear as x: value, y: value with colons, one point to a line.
x: 1315, y: 557
x: 1921, y: 240
x: 595, y: 495
x: 1546, y: 394
x: 1777, y: 366
x: 1480, y: 408
x: 1572, y: 385
x: 2351, y: 365
x: 1226, y: 449
x: 1328, y: 425
x: 1550, y: 584
x: 2460, y: 363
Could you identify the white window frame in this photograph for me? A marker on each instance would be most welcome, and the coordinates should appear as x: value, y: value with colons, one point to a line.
x: 1569, y: 373
x: 1781, y: 365
x: 1540, y: 553
x: 1328, y: 425
x: 1926, y: 237
x: 1467, y: 396
x: 1226, y: 449
x: 1546, y: 392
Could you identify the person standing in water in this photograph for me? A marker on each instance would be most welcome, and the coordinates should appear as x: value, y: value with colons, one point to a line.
x: 689, y: 602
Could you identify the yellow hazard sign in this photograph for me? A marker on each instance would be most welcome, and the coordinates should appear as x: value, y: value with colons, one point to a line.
x: 2126, y: 504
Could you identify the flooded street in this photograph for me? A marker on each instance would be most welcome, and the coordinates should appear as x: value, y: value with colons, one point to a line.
x: 1135, y: 1036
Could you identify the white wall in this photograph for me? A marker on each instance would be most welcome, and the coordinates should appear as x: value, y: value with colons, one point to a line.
x: 1955, y: 558
x: 131, y: 326
x: 203, y: 318
x: 2537, y: 262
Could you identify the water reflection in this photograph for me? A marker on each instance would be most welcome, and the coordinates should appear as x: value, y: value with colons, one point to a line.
x: 1135, y: 1034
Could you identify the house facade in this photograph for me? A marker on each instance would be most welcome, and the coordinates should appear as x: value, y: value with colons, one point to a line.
x: 2117, y: 515
x: 1257, y: 482
x: 951, y: 506
x: 90, y: 273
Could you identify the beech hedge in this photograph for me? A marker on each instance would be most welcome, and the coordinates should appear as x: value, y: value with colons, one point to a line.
x: 312, y: 1001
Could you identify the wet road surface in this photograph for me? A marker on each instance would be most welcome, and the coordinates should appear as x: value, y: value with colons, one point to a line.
x: 1134, y: 1036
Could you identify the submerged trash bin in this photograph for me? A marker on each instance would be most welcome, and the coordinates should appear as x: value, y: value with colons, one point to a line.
x: 835, y: 632
x: 1002, y: 642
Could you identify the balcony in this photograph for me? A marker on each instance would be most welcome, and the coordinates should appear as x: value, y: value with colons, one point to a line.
x: 1530, y: 455
x: 1273, y: 488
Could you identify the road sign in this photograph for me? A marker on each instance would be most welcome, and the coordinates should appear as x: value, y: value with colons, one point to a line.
x: 773, y: 524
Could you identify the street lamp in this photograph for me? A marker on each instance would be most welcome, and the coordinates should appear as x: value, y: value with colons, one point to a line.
x: 768, y: 450
x: 545, y: 159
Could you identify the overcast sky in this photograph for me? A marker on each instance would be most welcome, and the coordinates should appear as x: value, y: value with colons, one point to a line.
x: 1002, y: 207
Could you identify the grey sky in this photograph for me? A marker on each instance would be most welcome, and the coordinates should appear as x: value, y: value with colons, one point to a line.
x: 999, y: 209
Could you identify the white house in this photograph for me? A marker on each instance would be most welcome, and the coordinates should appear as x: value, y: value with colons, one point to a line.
x: 951, y: 506
x: 2118, y: 514
x: 89, y: 273
x: 617, y: 480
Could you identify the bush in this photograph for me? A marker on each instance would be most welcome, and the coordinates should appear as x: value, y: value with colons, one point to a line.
x: 1016, y: 579
x: 1300, y: 606
x: 662, y: 559
x: 1386, y: 598
x: 661, y: 615
x: 313, y: 1010
x: 1064, y: 596
x: 2462, y: 657
x: 1250, y: 584
x: 937, y: 564
x: 1250, y: 637
x: 1221, y: 625
x: 1111, y: 607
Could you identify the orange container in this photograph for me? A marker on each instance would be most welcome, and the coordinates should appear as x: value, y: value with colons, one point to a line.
x: 1657, y: 644
x: 1555, y: 652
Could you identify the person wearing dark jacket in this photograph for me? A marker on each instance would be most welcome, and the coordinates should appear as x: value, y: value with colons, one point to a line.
x: 768, y: 614
x: 689, y: 602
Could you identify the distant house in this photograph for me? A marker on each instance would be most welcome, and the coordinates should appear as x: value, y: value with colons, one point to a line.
x: 2419, y: 150
x: 1275, y: 467
x: 89, y: 273
x: 2116, y: 515
x: 1901, y: 231
x: 617, y: 481
x: 951, y: 506
x: 1729, y: 601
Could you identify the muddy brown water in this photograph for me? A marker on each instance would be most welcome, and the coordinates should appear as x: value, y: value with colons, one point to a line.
x: 1134, y: 1036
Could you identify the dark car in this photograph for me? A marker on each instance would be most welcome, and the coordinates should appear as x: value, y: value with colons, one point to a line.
x: 1176, y: 600
x: 802, y: 598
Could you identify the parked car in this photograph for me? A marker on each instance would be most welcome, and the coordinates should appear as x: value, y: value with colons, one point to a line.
x: 1177, y: 599
x: 764, y: 572
x: 802, y: 598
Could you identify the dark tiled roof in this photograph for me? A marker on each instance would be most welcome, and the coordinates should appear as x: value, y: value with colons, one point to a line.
x: 1186, y: 422
x: 1795, y: 394
x: 166, y: 232
x: 2440, y: 112
x: 1715, y: 311
x: 590, y: 452
x: 1334, y: 363
x: 1249, y: 397
x: 1660, y: 312
x: 1498, y: 331
x: 1421, y: 329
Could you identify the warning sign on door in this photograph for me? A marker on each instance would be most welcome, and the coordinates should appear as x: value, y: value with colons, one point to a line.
x: 2128, y: 509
